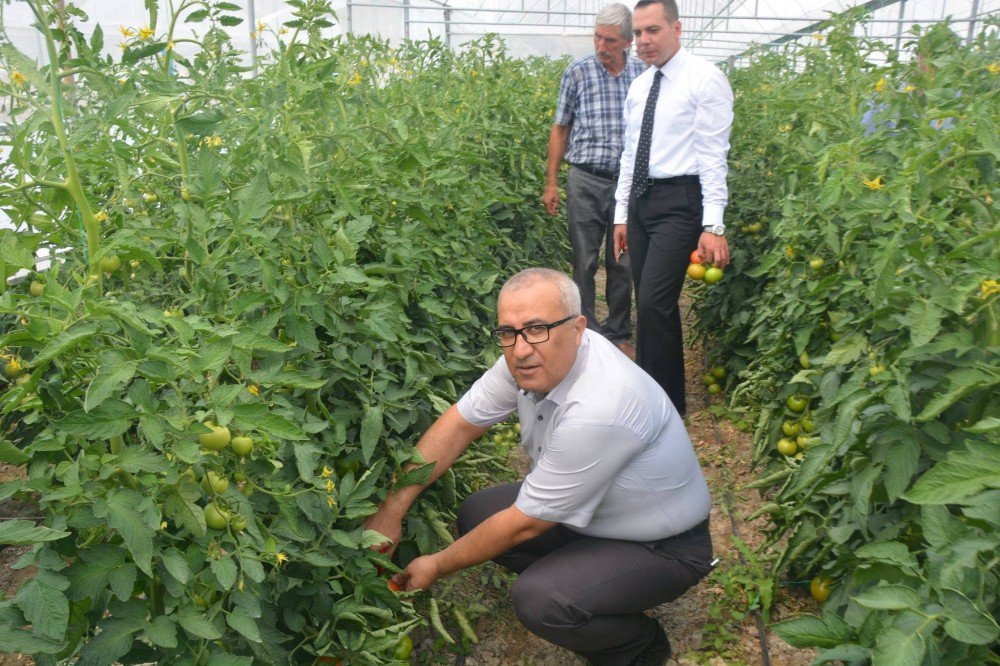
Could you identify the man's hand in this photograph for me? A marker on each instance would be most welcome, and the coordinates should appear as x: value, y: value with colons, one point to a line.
x: 713, y: 249
x: 621, y: 241
x: 419, y: 575
x: 390, y: 526
x: 551, y: 199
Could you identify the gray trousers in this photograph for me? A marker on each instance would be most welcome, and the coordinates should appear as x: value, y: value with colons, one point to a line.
x: 587, y: 594
x: 590, y: 212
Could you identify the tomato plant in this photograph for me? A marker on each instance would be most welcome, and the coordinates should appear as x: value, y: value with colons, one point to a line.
x: 866, y: 309
x: 324, y: 288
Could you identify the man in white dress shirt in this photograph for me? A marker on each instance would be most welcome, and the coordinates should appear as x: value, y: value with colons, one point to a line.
x: 672, y: 184
x: 612, y: 518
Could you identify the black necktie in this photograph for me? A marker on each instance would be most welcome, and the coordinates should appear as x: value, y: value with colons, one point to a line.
x: 640, y: 174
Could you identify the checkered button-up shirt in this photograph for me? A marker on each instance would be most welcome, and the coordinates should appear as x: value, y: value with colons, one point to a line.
x: 591, y: 103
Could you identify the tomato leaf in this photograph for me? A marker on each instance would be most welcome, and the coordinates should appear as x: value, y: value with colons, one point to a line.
x: 967, y: 622
x: 809, y: 630
x: 890, y: 597
x: 224, y: 570
x: 133, y: 516
x: 110, y: 419
x: 11, y: 454
x: 162, y: 632
x: 112, y: 374
x: 244, y: 624
x: 198, y: 626
x: 26, y: 533
x: 46, y: 608
x: 371, y: 431
x: 66, y: 341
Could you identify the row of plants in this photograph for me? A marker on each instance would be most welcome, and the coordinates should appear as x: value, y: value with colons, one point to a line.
x: 860, y: 323
x: 272, y: 286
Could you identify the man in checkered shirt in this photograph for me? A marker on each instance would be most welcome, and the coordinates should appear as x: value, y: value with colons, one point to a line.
x: 589, y: 133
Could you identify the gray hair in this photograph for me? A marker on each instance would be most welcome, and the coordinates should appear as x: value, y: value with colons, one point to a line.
x: 616, y: 14
x: 669, y: 8
x: 569, y: 293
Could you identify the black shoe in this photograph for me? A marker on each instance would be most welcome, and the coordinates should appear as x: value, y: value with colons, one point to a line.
x: 656, y: 652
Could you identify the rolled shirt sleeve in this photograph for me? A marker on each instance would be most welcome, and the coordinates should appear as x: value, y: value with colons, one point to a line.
x: 492, y: 398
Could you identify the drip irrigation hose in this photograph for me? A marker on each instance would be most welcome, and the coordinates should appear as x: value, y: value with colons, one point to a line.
x: 761, y: 629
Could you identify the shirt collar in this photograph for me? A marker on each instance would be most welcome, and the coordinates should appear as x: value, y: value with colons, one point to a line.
x: 674, y: 65
x: 562, y: 389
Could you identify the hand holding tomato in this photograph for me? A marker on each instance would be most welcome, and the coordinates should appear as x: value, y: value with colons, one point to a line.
x: 419, y: 575
x: 714, y: 249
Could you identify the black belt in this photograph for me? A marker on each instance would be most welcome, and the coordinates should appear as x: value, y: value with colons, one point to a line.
x: 675, y: 180
x: 698, y: 530
x: 600, y: 173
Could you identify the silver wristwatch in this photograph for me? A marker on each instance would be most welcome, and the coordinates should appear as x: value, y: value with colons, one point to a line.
x: 717, y: 230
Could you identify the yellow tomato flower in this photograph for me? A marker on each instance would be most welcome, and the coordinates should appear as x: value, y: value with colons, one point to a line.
x: 987, y: 288
x: 163, y: 525
x: 261, y: 26
x: 101, y: 216
x: 875, y: 184
x: 145, y: 32
x: 327, y: 472
x: 17, y: 78
x: 122, y: 45
x: 994, y: 68
x: 819, y: 37
x: 880, y: 86
x: 354, y: 80
x: 329, y: 485
x: 254, y: 389
x: 330, y: 502
x: 909, y: 88
x: 170, y: 45
x: 281, y: 558
x: 283, y: 31
x: 127, y: 32
x: 790, y: 251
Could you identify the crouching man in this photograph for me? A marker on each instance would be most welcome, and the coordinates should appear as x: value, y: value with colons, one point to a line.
x: 612, y: 519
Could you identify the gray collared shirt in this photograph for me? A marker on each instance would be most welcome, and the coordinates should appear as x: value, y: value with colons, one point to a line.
x: 609, y: 453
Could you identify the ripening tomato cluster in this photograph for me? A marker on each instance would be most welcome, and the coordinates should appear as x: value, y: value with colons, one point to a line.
x: 712, y: 379
x: 702, y: 271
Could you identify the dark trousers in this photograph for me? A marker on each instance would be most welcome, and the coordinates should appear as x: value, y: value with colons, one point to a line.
x: 590, y: 213
x: 587, y: 594
x: 663, y: 230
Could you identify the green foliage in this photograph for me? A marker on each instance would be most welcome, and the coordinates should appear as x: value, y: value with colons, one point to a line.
x: 894, y: 339
x: 310, y: 258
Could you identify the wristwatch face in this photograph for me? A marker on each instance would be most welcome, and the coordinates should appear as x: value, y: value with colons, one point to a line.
x: 718, y: 230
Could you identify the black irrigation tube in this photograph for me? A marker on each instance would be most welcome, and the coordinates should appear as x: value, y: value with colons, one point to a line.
x: 761, y: 629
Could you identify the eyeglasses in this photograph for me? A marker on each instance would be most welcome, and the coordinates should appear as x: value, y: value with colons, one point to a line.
x: 533, y: 335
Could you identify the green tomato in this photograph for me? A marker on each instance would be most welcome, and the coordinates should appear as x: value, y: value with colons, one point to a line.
x: 13, y: 368
x: 110, y: 263
x: 213, y: 484
x: 216, y: 440
x: 242, y: 446
x: 787, y: 447
x: 713, y: 275
x: 215, y: 518
x: 36, y: 288
x: 804, y: 360
x: 708, y: 379
x: 797, y: 403
x: 715, y: 389
x: 238, y: 523
x: 403, y: 648
x: 816, y: 263
x: 719, y: 372
x: 807, y: 424
x: 790, y: 428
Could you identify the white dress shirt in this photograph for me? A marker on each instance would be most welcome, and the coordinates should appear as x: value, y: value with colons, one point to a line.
x: 694, y: 115
x: 610, y: 457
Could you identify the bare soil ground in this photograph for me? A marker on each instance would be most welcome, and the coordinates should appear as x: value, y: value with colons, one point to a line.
x: 697, y: 634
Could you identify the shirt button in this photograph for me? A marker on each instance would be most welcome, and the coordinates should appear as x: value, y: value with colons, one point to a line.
x: 539, y: 417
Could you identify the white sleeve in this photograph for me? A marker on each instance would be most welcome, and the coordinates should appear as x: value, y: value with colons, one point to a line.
x: 713, y: 122
x: 627, y: 163
x: 492, y: 398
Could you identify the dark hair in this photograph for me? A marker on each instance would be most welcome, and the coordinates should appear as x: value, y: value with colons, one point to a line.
x: 669, y: 8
